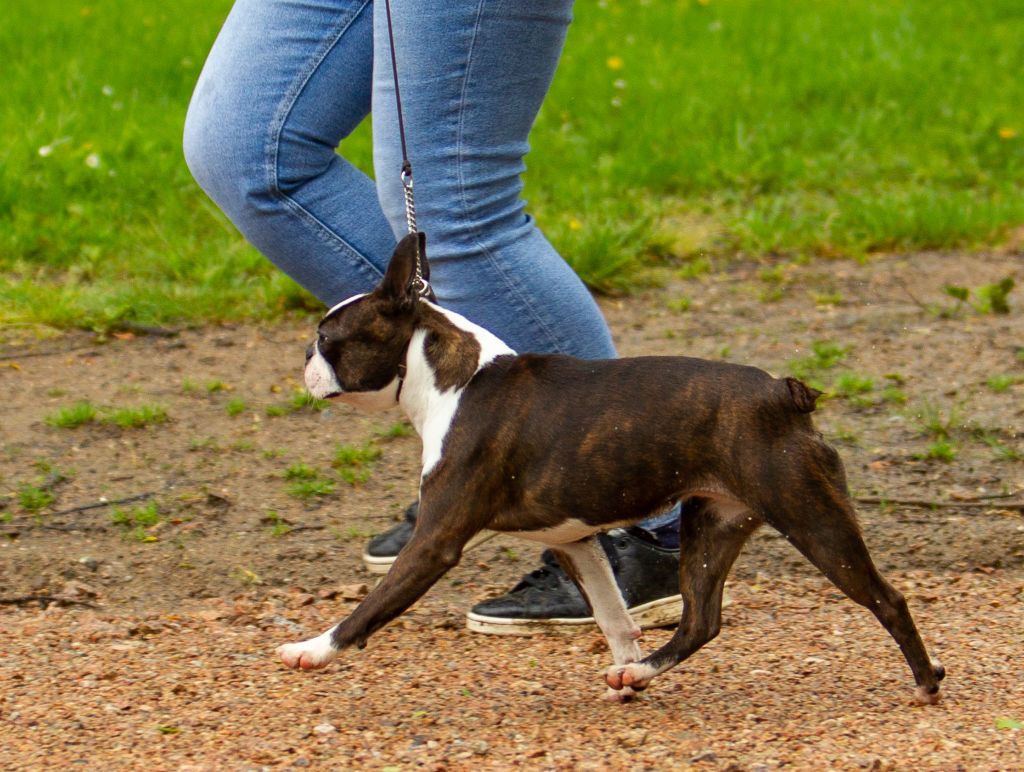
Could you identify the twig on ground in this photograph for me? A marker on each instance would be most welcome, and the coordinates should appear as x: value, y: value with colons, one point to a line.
x: 101, y: 504
x: 44, y: 601
x: 929, y: 504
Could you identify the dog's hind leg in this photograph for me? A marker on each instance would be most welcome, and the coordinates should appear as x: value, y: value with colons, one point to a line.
x: 711, y: 535
x: 586, y: 562
x: 824, y: 528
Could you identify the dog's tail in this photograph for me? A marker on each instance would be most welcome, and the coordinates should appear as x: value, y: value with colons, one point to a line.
x: 804, y: 397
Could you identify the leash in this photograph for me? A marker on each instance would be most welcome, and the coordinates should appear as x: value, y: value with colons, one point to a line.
x: 420, y: 283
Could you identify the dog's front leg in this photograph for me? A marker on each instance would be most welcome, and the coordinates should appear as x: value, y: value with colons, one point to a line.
x: 433, y: 549
x: 586, y: 562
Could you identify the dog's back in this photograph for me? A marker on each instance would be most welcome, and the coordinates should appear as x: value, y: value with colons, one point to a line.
x: 568, y: 431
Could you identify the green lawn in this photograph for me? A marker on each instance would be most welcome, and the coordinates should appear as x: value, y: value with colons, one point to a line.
x: 757, y: 127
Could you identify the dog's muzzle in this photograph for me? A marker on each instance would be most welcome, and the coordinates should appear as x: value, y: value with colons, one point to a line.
x: 319, y: 375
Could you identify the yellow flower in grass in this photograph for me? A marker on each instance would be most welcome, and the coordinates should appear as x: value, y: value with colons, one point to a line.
x: 614, y: 62
x: 575, y: 225
x: 1007, y: 133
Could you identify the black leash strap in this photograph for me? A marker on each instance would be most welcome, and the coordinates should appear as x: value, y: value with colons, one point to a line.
x: 406, y: 174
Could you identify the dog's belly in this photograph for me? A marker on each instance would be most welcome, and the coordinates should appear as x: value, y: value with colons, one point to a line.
x: 565, y: 532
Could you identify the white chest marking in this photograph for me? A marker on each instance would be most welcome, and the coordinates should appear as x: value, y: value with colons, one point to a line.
x: 431, y: 410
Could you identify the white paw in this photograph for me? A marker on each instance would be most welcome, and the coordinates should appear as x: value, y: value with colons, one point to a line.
x: 636, y: 675
x: 308, y: 655
x: 622, y: 695
x: 922, y: 697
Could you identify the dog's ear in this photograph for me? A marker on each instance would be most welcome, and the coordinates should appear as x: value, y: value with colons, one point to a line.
x: 399, y: 280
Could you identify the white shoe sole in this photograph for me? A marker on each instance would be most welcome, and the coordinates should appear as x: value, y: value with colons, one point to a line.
x: 381, y: 565
x: 663, y: 612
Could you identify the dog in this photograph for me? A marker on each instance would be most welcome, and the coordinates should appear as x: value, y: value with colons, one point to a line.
x: 556, y: 449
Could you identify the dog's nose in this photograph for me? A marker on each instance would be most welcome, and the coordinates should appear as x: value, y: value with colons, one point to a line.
x: 310, y: 350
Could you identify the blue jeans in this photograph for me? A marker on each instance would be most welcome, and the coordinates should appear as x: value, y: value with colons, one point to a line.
x: 287, y: 80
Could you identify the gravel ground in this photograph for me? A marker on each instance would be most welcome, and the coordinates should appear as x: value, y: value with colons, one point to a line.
x: 170, y: 665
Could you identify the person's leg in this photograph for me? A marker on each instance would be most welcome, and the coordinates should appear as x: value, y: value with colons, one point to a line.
x: 473, y: 75
x: 283, y: 84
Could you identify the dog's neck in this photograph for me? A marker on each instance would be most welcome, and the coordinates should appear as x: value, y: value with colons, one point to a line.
x: 445, y: 352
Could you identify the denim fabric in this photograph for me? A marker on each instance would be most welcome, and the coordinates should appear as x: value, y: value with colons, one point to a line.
x: 287, y: 80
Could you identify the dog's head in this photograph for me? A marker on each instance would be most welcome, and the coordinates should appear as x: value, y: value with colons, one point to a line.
x: 360, y: 346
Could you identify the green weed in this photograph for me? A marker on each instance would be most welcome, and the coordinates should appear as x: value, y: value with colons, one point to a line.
x: 825, y: 355
x: 300, y: 471
x: 135, y: 522
x: 235, y: 406
x: 679, y: 305
x: 73, y: 416
x: 938, y: 424
x: 396, y: 431
x: 1001, y: 451
x: 851, y: 384
x: 213, y: 387
x: 354, y: 465
x: 940, y: 450
x: 33, y: 498
x: 303, y: 400
x: 278, y: 526
x: 136, y: 417
x: 894, y: 395
x: 308, y: 489
x: 1003, y: 381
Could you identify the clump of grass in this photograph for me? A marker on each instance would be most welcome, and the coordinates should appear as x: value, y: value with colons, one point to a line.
x: 212, y: 387
x: 1003, y: 381
x: 355, y: 464
x: 851, y: 384
x: 300, y: 471
x: 235, y: 406
x: 825, y: 355
x: 83, y: 413
x: 278, y: 526
x: 894, y: 395
x: 679, y: 305
x: 937, y: 424
x: 986, y: 299
x: 396, y: 431
x: 307, y: 482
x: 827, y: 298
x: 72, y: 416
x: 136, y: 417
x: 135, y: 522
x: 33, y: 498
x: 940, y: 450
x: 301, y: 400
x: 694, y: 268
x: 1001, y: 451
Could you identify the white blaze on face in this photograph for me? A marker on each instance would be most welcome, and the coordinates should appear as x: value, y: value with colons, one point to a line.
x: 319, y: 376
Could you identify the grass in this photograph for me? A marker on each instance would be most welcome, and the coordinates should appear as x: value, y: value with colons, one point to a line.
x: 354, y: 464
x: 135, y: 522
x: 674, y: 130
x: 72, y: 416
x: 306, y: 482
x: 83, y: 413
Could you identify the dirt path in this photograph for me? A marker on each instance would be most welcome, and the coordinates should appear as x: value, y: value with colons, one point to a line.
x: 173, y: 667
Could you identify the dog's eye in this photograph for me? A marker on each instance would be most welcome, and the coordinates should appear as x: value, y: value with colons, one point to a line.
x: 321, y: 340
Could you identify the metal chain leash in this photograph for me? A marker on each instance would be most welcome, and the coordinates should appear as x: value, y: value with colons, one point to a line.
x: 421, y: 285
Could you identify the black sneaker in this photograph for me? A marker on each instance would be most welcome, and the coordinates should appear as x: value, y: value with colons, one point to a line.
x: 547, y: 600
x: 383, y: 548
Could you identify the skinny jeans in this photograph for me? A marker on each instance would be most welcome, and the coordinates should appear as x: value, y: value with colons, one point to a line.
x: 287, y: 80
